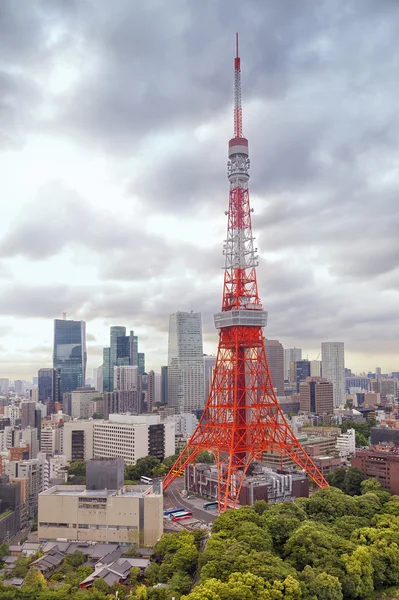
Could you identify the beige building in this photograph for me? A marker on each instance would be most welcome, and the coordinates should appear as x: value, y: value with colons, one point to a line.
x: 131, y: 515
x: 316, y: 396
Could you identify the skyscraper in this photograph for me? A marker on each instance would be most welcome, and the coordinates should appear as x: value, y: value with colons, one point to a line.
x: 209, y: 365
x: 290, y: 355
x: 275, y: 359
x: 164, y: 385
x: 333, y: 369
x: 28, y: 408
x: 317, y: 396
x: 185, y: 362
x: 69, y: 355
x: 126, y: 378
x: 48, y: 383
x: 122, y: 351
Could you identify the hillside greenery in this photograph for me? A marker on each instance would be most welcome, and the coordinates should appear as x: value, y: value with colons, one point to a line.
x: 332, y: 546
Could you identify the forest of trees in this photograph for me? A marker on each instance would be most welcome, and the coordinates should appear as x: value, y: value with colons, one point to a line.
x: 332, y: 546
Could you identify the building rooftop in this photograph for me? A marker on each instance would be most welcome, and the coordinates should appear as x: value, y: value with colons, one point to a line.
x: 137, y: 491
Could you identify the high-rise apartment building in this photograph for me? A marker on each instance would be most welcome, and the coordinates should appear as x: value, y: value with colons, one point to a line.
x: 120, y: 401
x: 275, y: 359
x: 80, y: 400
x: 333, y: 368
x: 122, y: 351
x: 48, y: 384
x: 126, y: 378
x: 185, y: 362
x: 316, y: 396
x: 70, y: 355
x: 290, y: 355
x: 209, y: 365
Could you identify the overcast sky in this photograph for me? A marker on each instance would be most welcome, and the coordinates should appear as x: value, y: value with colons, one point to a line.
x: 114, y: 123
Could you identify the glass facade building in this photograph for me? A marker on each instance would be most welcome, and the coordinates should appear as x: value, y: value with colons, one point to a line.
x: 48, y: 388
x: 122, y: 351
x: 70, y: 355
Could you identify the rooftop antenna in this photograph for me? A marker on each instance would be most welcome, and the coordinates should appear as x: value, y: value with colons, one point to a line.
x: 64, y: 316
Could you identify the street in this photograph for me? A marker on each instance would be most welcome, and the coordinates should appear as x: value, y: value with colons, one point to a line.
x: 173, y: 499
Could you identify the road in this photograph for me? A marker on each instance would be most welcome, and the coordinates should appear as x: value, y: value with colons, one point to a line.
x: 173, y: 499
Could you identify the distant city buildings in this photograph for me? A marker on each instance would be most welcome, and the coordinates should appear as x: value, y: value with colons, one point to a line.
x: 275, y: 360
x: 48, y: 388
x: 290, y: 355
x: 209, y: 366
x: 70, y: 356
x: 316, y: 396
x: 185, y: 362
x: 122, y: 351
x: 333, y: 368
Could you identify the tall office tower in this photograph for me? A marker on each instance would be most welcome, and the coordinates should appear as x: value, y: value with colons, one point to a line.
x: 315, y: 368
x: 4, y: 385
x: 275, y: 359
x: 122, y: 351
x: 185, y: 362
x: 301, y: 370
x: 378, y: 372
x: 141, y: 362
x: 28, y: 408
x: 48, y: 382
x: 316, y: 396
x: 19, y: 387
x: 209, y: 365
x: 70, y: 355
x: 126, y: 378
x: 290, y: 355
x: 99, y: 380
x: 333, y: 369
x: 164, y: 385
x: 153, y: 389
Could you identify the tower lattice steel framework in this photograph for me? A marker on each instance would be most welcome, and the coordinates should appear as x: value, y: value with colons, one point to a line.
x: 242, y: 418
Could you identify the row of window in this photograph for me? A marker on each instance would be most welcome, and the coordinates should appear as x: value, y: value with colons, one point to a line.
x: 89, y: 526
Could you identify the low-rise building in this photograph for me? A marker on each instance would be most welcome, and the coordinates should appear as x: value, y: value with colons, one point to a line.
x: 113, y: 513
x: 346, y: 443
x: 382, y: 463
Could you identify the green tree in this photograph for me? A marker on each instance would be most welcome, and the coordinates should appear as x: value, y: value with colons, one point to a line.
x: 337, y: 478
x: 4, y: 551
x: 76, y: 559
x: 360, y: 569
x: 352, y: 481
x: 205, y: 457
x: 77, y: 467
x: 344, y: 526
x: 321, y: 585
x: 374, y: 486
x: 385, y: 561
x: 101, y: 585
x: 35, y: 579
x: 391, y: 507
x: 329, y: 504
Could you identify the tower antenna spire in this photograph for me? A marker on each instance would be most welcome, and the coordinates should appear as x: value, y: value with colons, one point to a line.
x: 237, y: 94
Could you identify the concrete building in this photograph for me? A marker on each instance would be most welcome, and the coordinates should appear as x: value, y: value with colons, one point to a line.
x: 28, y: 408
x: 185, y: 362
x: 133, y: 437
x: 4, y: 385
x: 185, y: 423
x: 164, y: 384
x: 381, y: 463
x: 33, y: 471
x: 275, y: 360
x: 346, y: 443
x: 50, y: 442
x: 115, y: 513
x: 290, y: 355
x: 99, y: 386
x: 209, y: 366
x: 153, y: 390
x: 385, y: 435
x: 121, y: 402
x: 30, y: 436
x: 126, y: 378
x: 316, y: 396
x: 333, y: 368
x: 77, y: 442
x: 80, y: 400
x: 10, y: 509
x: 315, y: 368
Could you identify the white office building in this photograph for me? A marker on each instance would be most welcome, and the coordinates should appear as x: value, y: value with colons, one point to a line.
x: 346, y: 443
x: 185, y: 423
x: 77, y: 440
x: 80, y: 400
x: 333, y: 368
x: 126, y: 378
x: 185, y: 362
x: 133, y: 437
x: 290, y: 355
x: 315, y: 368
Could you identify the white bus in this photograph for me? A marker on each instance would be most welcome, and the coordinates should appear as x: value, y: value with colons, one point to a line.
x: 146, y: 480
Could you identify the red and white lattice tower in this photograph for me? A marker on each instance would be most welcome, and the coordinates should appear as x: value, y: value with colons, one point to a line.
x: 242, y: 418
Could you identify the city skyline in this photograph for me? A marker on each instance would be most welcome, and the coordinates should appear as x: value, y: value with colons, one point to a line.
x: 116, y: 176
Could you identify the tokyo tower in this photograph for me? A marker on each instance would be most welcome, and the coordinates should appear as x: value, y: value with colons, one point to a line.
x: 242, y: 418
